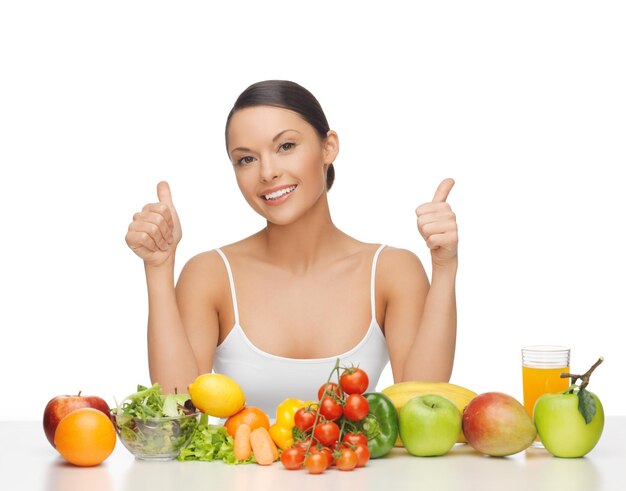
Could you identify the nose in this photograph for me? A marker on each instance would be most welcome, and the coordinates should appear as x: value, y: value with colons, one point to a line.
x: 269, y: 170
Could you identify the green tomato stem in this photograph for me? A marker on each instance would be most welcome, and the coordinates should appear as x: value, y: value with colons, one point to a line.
x: 317, y: 413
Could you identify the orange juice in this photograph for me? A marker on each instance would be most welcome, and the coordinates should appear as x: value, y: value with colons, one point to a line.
x: 539, y: 381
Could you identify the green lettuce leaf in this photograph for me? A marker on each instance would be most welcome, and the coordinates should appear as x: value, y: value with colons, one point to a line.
x: 149, y: 402
x: 211, y: 442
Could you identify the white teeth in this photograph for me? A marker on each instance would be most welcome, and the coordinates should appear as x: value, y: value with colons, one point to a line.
x: 278, y: 194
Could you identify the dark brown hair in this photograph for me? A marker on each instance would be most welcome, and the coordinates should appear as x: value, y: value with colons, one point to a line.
x: 288, y: 95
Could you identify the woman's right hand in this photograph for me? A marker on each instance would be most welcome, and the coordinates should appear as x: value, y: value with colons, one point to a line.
x: 155, y: 231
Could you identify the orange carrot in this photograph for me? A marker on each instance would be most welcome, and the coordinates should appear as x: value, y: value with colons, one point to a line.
x: 264, y: 448
x: 242, y: 448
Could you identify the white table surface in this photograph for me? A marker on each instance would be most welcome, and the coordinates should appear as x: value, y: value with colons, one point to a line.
x: 28, y: 462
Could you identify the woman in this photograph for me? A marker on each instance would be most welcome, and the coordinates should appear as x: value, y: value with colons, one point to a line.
x: 276, y: 309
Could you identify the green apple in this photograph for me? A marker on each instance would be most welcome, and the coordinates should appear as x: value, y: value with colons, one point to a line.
x: 429, y: 425
x: 561, y: 426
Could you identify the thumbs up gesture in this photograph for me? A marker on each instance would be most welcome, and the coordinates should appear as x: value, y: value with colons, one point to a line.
x: 436, y: 222
x: 155, y: 231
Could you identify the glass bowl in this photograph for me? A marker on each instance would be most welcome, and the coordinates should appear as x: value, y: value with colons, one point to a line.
x: 155, y: 438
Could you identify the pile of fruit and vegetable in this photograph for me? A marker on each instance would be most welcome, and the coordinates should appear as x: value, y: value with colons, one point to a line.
x: 344, y: 427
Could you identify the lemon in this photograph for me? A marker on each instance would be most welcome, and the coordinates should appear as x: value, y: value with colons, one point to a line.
x: 216, y: 395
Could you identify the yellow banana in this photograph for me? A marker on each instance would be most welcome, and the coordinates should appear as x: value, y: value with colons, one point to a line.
x: 402, y: 392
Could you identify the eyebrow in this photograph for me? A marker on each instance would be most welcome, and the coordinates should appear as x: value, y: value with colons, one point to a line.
x: 244, y: 149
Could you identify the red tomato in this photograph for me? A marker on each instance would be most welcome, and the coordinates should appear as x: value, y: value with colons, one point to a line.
x: 348, y: 459
x: 327, y: 433
x: 354, y: 381
x: 355, y: 439
x: 329, y: 456
x: 326, y: 451
x: 356, y: 407
x: 304, y: 419
x: 293, y: 458
x: 304, y: 444
x: 331, y: 388
x: 363, y: 454
x: 330, y: 409
x: 316, y: 463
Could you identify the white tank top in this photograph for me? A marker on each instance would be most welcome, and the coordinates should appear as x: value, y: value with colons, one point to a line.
x: 267, y: 379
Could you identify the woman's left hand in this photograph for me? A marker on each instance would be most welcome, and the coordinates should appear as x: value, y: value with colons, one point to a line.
x: 437, y: 223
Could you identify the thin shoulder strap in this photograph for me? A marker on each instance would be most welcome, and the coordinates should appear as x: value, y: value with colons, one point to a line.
x: 232, y: 285
x: 373, y: 281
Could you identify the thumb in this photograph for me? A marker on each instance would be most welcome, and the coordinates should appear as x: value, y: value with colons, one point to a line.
x: 164, y: 193
x: 443, y: 190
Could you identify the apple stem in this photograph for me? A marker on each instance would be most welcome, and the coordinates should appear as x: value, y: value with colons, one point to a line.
x: 79, y: 393
x: 585, y: 376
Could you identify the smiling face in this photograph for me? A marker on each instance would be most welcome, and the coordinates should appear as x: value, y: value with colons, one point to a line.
x: 279, y: 160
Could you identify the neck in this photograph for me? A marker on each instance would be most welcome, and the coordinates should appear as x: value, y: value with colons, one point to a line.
x: 301, y: 245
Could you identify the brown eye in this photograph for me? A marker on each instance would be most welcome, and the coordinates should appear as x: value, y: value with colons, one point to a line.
x: 287, y: 146
x: 245, y: 160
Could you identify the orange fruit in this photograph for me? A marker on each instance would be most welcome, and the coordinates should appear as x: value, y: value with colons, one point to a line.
x: 85, y: 437
x: 250, y: 415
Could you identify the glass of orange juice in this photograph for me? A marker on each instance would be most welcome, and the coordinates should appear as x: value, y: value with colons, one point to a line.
x: 542, y: 366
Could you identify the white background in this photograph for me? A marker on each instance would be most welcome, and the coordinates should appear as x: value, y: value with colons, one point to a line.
x: 523, y: 103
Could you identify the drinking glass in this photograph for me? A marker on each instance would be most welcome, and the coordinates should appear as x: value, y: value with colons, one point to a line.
x: 542, y: 366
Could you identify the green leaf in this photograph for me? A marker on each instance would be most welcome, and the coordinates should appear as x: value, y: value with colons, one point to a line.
x: 298, y: 434
x: 211, y: 442
x: 170, y: 407
x: 586, y: 405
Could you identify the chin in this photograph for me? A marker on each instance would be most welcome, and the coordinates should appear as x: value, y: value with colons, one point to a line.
x: 280, y: 221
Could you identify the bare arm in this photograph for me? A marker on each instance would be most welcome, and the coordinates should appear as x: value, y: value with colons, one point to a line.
x: 431, y: 355
x: 421, y: 320
x: 182, y: 323
x: 170, y: 357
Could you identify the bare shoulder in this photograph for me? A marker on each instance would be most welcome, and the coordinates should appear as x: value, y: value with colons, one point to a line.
x: 395, y: 259
x: 400, y: 270
x: 203, y: 263
x: 204, y: 274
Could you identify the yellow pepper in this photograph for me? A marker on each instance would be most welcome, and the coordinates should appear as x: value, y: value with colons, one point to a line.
x: 282, y: 430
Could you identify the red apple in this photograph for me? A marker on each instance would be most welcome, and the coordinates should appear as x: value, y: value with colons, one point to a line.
x: 60, y: 406
x: 497, y: 424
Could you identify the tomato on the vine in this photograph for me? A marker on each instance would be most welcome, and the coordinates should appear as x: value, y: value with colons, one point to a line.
x: 326, y: 433
x: 330, y: 409
x: 354, y: 381
x: 304, y: 418
x: 355, y: 439
x: 328, y: 389
x: 326, y: 451
x: 304, y: 444
x: 347, y: 459
x: 363, y: 454
x: 293, y: 458
x: 329, y: 456
x: 356, y: 407
x: 316, y: 463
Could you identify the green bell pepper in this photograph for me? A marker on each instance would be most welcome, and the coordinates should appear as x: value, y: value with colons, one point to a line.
x: 380, y: 425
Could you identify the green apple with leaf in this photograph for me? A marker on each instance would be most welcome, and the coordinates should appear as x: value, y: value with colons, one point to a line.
x: 570, y: 423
